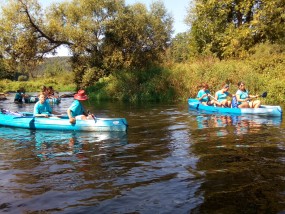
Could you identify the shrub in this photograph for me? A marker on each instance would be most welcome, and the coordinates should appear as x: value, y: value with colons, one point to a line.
x: 22, y: 78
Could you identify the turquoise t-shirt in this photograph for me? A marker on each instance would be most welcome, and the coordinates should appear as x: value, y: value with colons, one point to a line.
x: 201, y: 93
x: 42, y: 108
x: 243, y: 94
x: 76, y: 108
x: 222, y: 96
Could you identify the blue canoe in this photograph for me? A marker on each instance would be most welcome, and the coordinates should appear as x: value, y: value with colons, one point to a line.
x: 264, y: 110
x: 60, y: 122
x: 34, y: 99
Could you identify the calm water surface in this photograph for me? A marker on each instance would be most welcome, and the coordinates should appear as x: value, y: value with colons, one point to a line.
x: 171, y: 160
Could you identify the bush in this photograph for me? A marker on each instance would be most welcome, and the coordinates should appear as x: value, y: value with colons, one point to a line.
x: 22, y: 78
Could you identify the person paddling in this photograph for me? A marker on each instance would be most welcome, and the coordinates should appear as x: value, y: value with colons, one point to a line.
x: 221, y: 96
x: 204, y: 95
x: 244, y: 98
x: 76, y: 111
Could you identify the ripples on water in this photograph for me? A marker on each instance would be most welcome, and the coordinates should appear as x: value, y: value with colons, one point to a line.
x: 171, y: 160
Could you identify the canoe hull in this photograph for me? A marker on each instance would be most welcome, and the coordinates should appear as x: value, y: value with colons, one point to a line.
x: 34, y: 99
x: 264, y: 110
x: 62, y: 123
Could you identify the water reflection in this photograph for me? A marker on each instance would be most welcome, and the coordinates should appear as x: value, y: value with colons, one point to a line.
x: 50, y: 144
x: 239, y: 158
x: 236, y: 125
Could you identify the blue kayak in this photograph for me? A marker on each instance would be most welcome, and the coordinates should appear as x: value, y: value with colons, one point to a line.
x: 60, y: 122
x: 34, y: 99
x: 264, y: 110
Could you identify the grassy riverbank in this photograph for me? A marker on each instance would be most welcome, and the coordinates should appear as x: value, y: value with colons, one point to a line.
x: 263, y: 71
x: 35, y: 85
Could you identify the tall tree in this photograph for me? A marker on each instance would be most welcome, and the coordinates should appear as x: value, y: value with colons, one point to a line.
x: 180, y: 48
x: 141, y: 36
x: 102, y: 35
x: 230, y: 27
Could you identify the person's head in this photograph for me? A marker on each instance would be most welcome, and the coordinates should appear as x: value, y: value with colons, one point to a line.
x: 226, y: 87
x: 241, y: 85
x: 43, y: 88
x: 42, y: 97
x: 205, y: 86
x: 81, y: 95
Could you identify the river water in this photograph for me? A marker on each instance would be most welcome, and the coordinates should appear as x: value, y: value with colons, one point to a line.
x: 171, y: 160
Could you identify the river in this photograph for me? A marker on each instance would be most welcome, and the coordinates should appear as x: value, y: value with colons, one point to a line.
x: 171, y: 160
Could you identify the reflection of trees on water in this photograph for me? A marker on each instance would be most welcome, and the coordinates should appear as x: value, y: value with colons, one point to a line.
x: 242, y: 171
x: 223, y: 125
x: 50, y: 160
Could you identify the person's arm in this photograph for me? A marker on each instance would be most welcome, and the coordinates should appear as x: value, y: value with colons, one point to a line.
x: 71, y: 118
x: 253, y: 96
x: 216, y: 96
x: 37, y: 112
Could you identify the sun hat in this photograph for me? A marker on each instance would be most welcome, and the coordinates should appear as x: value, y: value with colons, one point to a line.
x: 81, y: 95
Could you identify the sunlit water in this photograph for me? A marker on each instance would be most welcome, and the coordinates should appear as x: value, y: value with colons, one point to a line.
x: 171, y: 160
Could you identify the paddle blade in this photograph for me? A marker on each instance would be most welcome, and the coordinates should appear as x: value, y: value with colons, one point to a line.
x: 264, y: 94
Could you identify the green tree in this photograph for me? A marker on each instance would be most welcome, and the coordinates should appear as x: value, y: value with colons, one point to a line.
x: 181, y: 48
x: 102, y: 35
x: 23, y: 40
x: 141, y: 36
x: 229, y: 28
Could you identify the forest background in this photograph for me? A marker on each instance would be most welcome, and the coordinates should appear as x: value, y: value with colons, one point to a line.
x: 128, y: 52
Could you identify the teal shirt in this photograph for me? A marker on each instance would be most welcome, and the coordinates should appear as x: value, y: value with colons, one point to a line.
x: 18, y: 97
x: 222, y: 96
x: 243, y: 94
x: 42, y: 108
x: 76, y: 108
x: 201, y: 93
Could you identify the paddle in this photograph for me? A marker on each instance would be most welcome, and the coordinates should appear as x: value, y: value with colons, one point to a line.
x: 52, y: 115
x: 264, y: 94
x: 92, y: 115
x: 217, y: 100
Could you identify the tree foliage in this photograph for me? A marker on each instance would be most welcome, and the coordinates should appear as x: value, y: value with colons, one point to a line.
x: 229, y: 28
x: 180, y: 48
x: 102, y: 35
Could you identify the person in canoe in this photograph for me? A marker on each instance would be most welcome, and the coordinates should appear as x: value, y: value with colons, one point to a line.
x: 19, y: 96
x: 76, y: 111
x: 221, y: 96
x: 42, y: 107
x: 204, y: 95
x: 244, y: 98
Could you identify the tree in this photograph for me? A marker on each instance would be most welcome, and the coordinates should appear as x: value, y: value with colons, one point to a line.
x: 180, y: 48
x: 141, y: 36
x: 229, y: 28
x: 23, y: 40
x: 102, y: 35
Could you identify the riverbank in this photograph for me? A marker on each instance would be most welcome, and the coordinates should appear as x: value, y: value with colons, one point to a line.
x: 175, y: 82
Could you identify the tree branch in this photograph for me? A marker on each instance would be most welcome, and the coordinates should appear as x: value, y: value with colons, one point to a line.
x: 50, y: 39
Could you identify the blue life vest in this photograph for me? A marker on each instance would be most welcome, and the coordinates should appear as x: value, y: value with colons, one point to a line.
x: 234, y: 102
